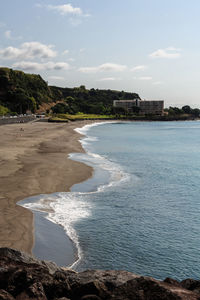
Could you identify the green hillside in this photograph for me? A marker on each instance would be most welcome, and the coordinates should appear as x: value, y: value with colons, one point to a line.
x: 20, y: 92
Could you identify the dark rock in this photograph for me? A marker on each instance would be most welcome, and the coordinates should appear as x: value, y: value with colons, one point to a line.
x: 58, y: 286
x: 23, y: 277
x: 5, y: 295
x: 147, y: 288
x: 93, y: 287
x: 191, y: 284
x: 63, y: 298
x: 90, y: 297
x: 14, y: 256
x: 110, y: 279
x: 172, y: 281
x: 33, y: 292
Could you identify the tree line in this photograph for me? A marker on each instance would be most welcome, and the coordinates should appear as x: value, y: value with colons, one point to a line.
x: 186, y: 109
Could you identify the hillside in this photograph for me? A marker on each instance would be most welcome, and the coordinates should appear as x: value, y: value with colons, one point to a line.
x: 20, y: 92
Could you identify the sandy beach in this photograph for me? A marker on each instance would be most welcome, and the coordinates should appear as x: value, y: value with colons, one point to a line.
x: 34, y: 160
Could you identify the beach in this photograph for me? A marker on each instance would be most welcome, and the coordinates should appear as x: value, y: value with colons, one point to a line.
x: 33, y: 161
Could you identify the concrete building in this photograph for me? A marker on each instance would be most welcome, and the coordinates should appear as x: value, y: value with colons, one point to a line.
x: 126, y: 104
x: 153, y: 107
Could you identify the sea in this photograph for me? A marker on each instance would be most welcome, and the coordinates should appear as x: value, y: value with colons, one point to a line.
x: 140, y: 211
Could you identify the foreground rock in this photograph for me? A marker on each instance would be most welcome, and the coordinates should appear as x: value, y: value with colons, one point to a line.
x: 23, y: 277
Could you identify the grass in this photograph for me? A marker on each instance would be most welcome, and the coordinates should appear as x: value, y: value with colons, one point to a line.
x: 67, y: 117
x: 81, y: 116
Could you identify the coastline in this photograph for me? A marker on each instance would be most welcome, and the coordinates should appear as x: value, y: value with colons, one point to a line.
x: 34, y: 160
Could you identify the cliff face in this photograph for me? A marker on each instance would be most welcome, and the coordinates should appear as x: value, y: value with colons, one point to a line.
x: 23, y: 277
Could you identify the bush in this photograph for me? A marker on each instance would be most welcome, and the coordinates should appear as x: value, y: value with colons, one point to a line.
x: 4, y: 110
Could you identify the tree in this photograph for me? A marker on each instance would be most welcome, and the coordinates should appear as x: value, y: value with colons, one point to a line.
x: 31, y: 104
x: 3, y: 110
x: 60, y: 108
x: 175, y: 111
x: 20, y: 101
x: 196, y: 112
x: 119, y: 110
x: 70, y: 100
x: 187, y: 109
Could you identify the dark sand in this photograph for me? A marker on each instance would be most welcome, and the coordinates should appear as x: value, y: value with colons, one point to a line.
x: 51, y: 242
x: 34, y: 160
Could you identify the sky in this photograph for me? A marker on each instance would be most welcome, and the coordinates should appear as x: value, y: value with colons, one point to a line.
x: 150, y: 47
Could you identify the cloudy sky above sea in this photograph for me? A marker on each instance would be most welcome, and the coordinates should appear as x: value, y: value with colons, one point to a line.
x: 151, y: 47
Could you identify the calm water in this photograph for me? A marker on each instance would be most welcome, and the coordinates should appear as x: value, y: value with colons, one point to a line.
x: 141, y: 210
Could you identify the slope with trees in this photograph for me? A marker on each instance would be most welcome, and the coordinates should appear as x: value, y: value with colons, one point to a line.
x: 20, y: 92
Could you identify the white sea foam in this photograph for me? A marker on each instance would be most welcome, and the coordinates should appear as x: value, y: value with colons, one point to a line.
x: 64, y: 209
x: 117, y: 174
x: 67, y: 208
x: 84, y: 142
x: 83, y: 130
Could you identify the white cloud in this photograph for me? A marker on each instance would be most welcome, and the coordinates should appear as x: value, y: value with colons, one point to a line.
x: 75, y: 14
x: 34, y: 66
x: 112, y: 67
x: 157, y: 83
x: 71, y: 59
x: 145, y: 78
x: 65, y: 52
x: 107, y: 67
x: 67, y: 9
x: 171, y: 48
x: 169, y: 52
x: 29, y: 50
x: 56, y: 78
x: 82, y: 50
x: 38, y: 5
x: 75, y: 21
x: 9, y: 36
x: 139, y: 68
x: 2, y: 24
x: 109, y: 79
x: 88, y: 70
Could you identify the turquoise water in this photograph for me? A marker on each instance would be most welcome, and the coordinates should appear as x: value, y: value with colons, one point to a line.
x: 141, y: 210
x: 148, y: 223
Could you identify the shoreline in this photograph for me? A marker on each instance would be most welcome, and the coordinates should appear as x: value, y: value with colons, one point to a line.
x: 34, y: 160
x: 55, y: 241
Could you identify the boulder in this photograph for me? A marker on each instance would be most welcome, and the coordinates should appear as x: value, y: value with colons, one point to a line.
x: 24, y: 277
x: 5, y: 295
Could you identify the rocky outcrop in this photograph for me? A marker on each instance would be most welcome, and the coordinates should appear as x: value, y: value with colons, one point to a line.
x: 23, y: 277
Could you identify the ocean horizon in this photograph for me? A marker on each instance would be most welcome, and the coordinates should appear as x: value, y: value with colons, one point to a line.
x: 140, y: 210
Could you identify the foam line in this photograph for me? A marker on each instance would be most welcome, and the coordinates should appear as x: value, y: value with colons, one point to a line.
x: 67, y: 208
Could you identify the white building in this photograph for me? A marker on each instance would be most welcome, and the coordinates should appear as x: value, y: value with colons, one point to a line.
x: 152, y: 107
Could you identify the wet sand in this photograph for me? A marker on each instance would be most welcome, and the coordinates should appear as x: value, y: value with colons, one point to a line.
x: 52, y: 242
x: 34, y: 160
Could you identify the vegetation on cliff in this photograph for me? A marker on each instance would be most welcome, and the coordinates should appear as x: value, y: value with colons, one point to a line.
x: 20, y: 92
